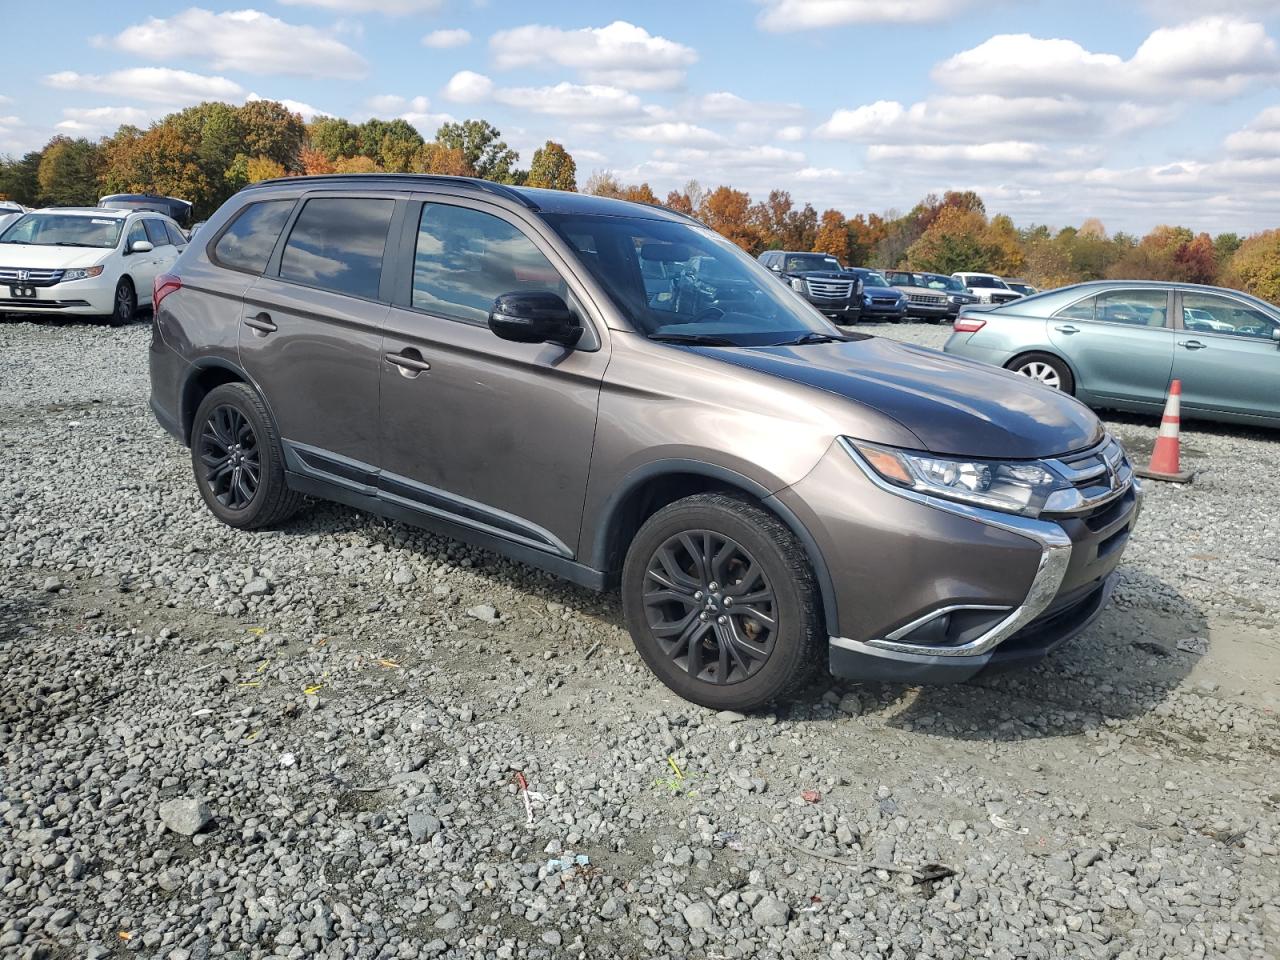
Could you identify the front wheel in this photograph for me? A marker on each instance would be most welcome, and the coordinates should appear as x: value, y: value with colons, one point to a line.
x: 124, y: 304
x: 721, y: 602
x: 1046, y: 369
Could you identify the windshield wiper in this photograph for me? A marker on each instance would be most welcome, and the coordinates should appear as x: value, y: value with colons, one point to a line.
x: 695, y: 339
x: 809, y: 338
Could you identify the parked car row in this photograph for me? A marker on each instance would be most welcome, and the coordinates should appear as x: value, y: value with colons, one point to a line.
x: 1117, y: 344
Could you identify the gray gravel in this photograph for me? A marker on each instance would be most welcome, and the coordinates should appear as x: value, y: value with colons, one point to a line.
x: 312, y: 742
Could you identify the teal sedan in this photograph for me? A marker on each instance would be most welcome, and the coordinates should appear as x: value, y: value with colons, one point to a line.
x: 1117, y: 344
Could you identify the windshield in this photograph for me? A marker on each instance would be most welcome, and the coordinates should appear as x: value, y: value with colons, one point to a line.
x: 936, y: 281
x: 872, y: 279
x: 808, y: 264
x: 681, y: 280
x: 61, y: 230
x: 993, y: 283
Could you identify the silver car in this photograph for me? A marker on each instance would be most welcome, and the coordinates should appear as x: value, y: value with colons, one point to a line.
x: 1118, y: 343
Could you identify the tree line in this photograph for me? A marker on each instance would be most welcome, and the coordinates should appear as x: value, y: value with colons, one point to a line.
x: 206, y: 153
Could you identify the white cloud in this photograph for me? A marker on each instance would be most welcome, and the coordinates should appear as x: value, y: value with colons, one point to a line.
x: 620, y: 54
x: 246, y: 40
x: 1177, y: 10
x: 95, y: 120
x: 150, y: 84
x: 1002, y: 153
x: 781, y: 16
x: 1209, y: 57
x: 393, y: 7
x: 724, y: 105
x: 305, y: 110
x: 571, y: 100
x: 416, y: 111
x: 1260, y: 138
x: 792, y: 133
x: 466, y: 86
x: 683, y: 134
x: 444, y: 39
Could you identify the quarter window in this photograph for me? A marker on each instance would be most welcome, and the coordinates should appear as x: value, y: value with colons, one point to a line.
x: 465, y: 259
x: 1139, y: 308
x: 1210, y: 313
x: 248, y: 242
x: 175, y: 235
x: 337, y: 244
x: 155, y: 232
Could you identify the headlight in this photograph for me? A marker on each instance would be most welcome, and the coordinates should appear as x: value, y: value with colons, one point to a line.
x: 81, y: 273
x: 1011, y: 487
x: 797, y: 285
x: 866, y: 299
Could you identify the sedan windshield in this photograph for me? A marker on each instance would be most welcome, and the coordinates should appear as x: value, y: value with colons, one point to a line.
x: 685, y: 283
x: 61, y: 230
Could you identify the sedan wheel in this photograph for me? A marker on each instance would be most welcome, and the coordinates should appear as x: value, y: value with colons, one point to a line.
x: 1039, y: 370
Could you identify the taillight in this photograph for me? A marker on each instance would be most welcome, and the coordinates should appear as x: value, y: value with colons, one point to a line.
x: 968, y: 323
x: 165, y: 284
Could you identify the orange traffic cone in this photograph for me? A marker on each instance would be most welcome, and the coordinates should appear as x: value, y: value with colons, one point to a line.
x: 1165, y: 457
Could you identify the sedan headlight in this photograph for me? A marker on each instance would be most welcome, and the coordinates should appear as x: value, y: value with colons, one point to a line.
x: 797, y: 285
x: 1008, y: 486
x: 81, y: 273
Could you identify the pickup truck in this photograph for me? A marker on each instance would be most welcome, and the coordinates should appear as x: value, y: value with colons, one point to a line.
x: 819, y: 278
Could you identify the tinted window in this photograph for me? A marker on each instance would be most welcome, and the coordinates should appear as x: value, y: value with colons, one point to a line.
x: 175, y: 235
x: 1141, y: 308
x: 1211, y: 313
x: 248, y: 242
x: 136, y: 233
x: 465, y: 259
x: 156, y: 233
x: 1078, y: 311
x: 984, y: 283
x: 337, y: 244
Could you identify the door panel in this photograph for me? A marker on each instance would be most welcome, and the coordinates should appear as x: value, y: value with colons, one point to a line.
x: 142, y: 267
x: 497, y: 432
x: 1230, y: 372
x: 1121, y: 346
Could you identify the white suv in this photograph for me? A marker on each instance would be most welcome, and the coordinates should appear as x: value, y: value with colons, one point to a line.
x: 987, y: 287
x: 85, y: 261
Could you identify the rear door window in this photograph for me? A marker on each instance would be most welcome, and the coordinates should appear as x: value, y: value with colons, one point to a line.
x: 247, y: 244
x: 465, y: 259
x: 337, y: 244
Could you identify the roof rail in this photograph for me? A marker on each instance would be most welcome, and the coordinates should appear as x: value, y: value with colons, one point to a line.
x: 500, y: 189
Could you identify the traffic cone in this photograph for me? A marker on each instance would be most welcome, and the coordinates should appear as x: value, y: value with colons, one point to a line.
x: 1165, y: 457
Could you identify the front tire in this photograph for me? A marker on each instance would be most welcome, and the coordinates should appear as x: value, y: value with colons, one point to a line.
x: 1046, y: 369
x: 238, y: 461
x: 721, y: 602
x: 124, y: 304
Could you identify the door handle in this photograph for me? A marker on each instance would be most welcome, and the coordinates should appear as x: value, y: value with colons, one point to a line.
x: 1067, y: 328
x: 409, y: 361
x: 1192, y: 345
x: 261, y: 324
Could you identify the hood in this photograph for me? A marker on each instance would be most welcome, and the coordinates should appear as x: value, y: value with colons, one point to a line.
x: 955, y: 406
x: 50, y: 258
x: 823, y: 274
x: 873, y: 291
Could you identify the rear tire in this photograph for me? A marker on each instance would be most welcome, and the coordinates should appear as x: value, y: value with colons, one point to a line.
x: 1045, y: 368
x: 721, y: 602
x: 238, y: 461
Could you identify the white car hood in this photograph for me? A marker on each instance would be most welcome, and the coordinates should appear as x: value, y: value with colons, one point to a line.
x: 50, y: 258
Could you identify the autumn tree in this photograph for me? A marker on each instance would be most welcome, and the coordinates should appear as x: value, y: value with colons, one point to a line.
x: 679, y: 201
x: 833, y: 236
x: 483, y: 148
x: 161, y: 161
x: 1005, y: 254
x: 956, y: 240
x: 68, y: 171
x: 553, y: 168
x: 727, y: 211
x: 604, y: 183
x: 355, y: 165
x: 1255, y: 266
x: 314, y: 162
x: 445, y: 161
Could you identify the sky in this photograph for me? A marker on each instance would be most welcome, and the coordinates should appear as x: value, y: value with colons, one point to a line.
x: 1136, y: 112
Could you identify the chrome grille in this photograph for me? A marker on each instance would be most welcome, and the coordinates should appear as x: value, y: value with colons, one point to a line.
x: 927, y: 299
x: 830, y: 289
x: 1097, y: 476
x: 30, y: 277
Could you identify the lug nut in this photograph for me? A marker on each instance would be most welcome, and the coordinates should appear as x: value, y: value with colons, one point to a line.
x: 722, y: 620
x: 704, y: 616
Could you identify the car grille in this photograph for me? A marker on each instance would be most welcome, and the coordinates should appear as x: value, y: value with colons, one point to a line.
x: 1005, y: 297
x: 830, y: 289
x: 927, y: 299
x: 1098, y: 476
x: 33, y: 278
x: 884, y: 301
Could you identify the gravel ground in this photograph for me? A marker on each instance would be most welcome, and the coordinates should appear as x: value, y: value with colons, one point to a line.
x: 312, y: 742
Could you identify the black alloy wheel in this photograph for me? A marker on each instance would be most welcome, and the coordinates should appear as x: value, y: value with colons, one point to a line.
x: 710, y: 606
x: 230, y: 456
x: 125, y: 305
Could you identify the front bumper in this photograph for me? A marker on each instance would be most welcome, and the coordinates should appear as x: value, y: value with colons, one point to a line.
x: 91, y: 296
x: 928, y: 590
x: 877, y: 311
x: 841, y: 311
x: 928, y: 311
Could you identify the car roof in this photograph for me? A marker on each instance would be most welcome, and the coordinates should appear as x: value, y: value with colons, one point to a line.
x: 531, y: 198
x: 96, y: 211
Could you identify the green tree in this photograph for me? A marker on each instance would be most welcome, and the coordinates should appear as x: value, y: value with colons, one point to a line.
x: 19, y: 178
x: 1255, y: 266
x: 1225, y: 245
x: 390, y: 143
x: 482, y: 147
x: 333, y: 137
x: 272, y: 131
x: 553, y: 167
x: 68, y: 172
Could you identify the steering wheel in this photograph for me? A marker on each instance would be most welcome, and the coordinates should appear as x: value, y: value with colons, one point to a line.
x: 712, y: 312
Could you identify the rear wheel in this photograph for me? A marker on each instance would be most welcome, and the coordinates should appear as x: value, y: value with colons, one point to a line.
x: 238, y: 462
x: 721, y: 602
x: 1046, y: 369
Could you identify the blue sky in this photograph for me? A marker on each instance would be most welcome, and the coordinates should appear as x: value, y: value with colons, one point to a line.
x: 1137, y: 113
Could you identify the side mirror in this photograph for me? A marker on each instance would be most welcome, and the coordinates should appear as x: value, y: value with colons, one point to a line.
x: 541, y: 317
x: 1275, y: 335
x: 141, y: 246
x: 776, y: 268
